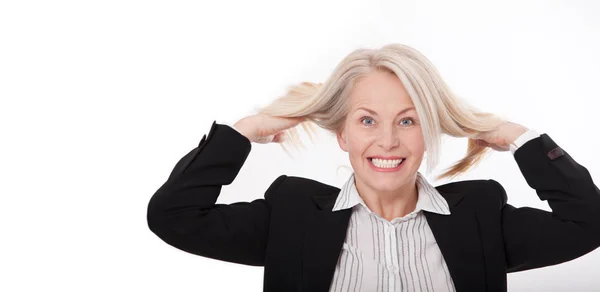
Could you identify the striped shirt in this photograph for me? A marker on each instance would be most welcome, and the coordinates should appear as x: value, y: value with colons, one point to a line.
x: 398, y: 255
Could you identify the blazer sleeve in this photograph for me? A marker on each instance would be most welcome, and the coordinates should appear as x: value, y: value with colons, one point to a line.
x: 183, y: 211
x: 535, y: 238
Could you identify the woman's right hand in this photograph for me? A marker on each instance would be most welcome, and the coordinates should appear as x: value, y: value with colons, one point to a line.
x: 264, y: 129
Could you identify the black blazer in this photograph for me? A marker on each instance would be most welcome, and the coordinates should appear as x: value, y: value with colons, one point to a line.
x: 295, y: 236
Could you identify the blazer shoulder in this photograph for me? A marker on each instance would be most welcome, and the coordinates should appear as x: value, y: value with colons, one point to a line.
x: 481, y: 191
x: 297, y: 185
x: 308, y: 185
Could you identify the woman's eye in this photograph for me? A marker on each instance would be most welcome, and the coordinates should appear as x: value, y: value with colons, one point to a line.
x: 366, y: 119
x: 409, y: 119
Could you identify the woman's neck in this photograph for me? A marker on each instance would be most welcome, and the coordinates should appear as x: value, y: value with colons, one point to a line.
x: 390, y: 205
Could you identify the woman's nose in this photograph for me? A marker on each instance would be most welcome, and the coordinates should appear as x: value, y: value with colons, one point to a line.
x: 388, y: 138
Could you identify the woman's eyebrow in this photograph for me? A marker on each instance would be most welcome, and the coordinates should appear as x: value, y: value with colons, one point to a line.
x: 375, y: 113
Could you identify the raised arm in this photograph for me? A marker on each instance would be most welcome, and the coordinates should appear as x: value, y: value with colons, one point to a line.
x: 183, y: 212
x: 536, y: 238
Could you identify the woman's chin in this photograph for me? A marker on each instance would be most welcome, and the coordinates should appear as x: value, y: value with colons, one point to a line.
x: 385, y: 182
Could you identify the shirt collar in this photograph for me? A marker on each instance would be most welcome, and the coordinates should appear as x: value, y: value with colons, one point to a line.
x: 429, y: 198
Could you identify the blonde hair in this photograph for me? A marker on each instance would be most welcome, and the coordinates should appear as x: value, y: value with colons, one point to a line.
x: 439, y: 110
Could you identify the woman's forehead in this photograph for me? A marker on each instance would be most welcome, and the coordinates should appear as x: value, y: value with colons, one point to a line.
x: 381, y: 106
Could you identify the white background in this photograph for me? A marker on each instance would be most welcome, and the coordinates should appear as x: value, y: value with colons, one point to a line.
x: 100, y: 99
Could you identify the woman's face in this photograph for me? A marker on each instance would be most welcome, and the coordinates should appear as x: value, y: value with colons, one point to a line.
x: 382, y: 123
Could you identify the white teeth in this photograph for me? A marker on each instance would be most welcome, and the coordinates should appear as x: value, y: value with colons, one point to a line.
x: 384, y: 163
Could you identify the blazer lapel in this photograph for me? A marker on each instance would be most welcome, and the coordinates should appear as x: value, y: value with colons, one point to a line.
x: 325, y: 235
x: 457, y: 236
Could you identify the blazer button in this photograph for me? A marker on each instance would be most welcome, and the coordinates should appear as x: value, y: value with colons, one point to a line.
x: 555, y: 153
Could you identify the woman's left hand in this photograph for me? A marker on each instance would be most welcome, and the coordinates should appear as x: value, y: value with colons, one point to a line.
x: 500, y: 138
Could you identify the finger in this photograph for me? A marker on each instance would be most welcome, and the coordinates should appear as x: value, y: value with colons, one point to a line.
x: 486, y: 144
x: 286, y: 123
x: 292, y: 120
x: 280, y: 137
x: 265, y: 139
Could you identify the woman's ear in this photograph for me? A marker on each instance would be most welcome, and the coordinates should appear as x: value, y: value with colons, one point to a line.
x: 341, y: 138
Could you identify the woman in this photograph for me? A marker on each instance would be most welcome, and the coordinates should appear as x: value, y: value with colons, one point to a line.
x: 387, y: 228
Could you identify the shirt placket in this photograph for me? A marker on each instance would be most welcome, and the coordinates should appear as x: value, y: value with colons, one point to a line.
x: 390, y: 233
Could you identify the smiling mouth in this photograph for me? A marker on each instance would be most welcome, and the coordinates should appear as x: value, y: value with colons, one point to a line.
x: 386, y: 163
